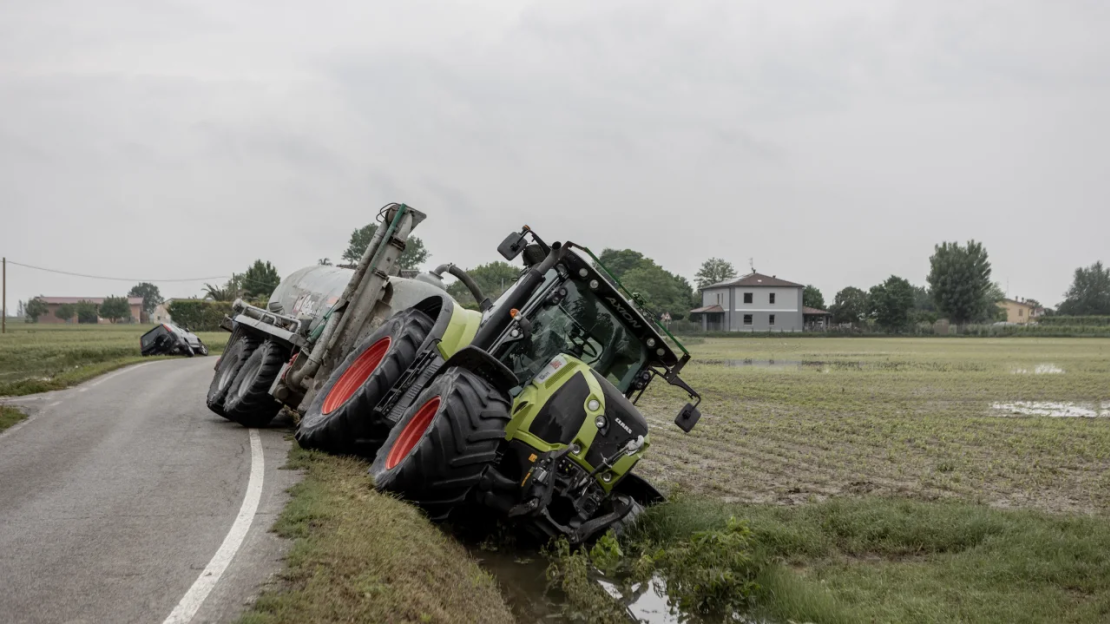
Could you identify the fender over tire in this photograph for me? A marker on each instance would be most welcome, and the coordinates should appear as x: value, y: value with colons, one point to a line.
x: 231, y: 362
x: 340, y: 418
x: 248, y: 400
x: 443, y: 444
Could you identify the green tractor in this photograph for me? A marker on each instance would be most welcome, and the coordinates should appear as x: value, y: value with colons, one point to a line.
x: 525, y: 406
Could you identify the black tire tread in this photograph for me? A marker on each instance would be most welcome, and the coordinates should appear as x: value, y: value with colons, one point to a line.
x: 235, y: 355
x: 350, y: 429
x: 462, y: 440
x: 255, y: 407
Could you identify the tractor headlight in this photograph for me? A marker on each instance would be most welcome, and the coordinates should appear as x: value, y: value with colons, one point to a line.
x: 600, y: 422
x: 650, y: 342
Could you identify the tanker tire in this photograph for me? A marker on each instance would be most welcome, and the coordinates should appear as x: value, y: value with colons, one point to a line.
x: 350, y: 428
x: 248, y: 399
x: 438, y: 452
x: 227, y: 369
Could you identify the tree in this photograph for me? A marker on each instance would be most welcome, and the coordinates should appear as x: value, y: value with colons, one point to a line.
x: 66, y: 312
x: 661, y: 290
x: 890, y: 303
x: 991, y: 310
x: 412, y: 257
x: 260, y: 280
x: 1089, y: 293
x: 493, y: 278
x: 714, y: 271
x: 115, y: 309
x: 850, y: 305
x: 87, y: 312
x: 620, y: 261
x: 230, y: 291
x: 960, y: 280
x: 812, y: 298
x: 150, y: 294
x: 35, y: 308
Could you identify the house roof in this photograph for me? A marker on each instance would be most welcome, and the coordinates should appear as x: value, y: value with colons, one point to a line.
x: 1020, y: 303
x: 755, y: 279
x: 815, y: 312
x: 707, y: 309
x: 96, y: 300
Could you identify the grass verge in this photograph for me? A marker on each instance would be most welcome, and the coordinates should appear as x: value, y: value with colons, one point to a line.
x: 9, y: 416
x: 39, y: 358
x: 876, y: 559
x: 360, y: 556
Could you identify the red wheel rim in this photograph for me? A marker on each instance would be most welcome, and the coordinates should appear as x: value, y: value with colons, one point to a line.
x: 356, y: 375
x: 412, y: 433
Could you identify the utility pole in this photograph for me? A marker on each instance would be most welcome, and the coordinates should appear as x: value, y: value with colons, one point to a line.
x: 4, y: 303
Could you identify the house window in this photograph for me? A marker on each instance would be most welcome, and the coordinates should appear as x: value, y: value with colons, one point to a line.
x: 747, y: 319
x: 772, y: 297
x: 747, y: 297
x: 771, y: 318
x: 1021, y: 312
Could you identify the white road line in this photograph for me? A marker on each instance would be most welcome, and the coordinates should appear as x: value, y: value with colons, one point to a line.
x: 55, y: 404
x: 190, y: 603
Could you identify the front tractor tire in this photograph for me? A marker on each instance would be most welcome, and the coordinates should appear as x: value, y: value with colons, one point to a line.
x: 248, y: 399
x: 440, y: 448
x: 231, y: 362
x: 340, y: 418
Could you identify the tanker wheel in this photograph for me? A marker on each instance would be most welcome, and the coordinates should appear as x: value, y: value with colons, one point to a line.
x: 248, y: 399
x: 227, y: 369
x: 441, y: 446
x: 341, y: 418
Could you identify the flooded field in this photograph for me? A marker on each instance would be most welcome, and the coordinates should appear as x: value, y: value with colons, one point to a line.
x: 1008, y: 422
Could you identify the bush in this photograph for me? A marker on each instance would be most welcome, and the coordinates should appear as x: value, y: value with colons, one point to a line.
x: 1078, y: 321
x: 198, y: 314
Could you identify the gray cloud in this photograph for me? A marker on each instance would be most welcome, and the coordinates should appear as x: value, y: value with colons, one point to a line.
x: 833, y: 142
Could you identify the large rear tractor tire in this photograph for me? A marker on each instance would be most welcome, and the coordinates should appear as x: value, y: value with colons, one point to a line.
x: 441, y: 446
x: 248, y: 399
x: 231, y: 362
x: 340, y: 418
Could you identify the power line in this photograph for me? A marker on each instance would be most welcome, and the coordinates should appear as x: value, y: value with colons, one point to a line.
x: 118, y: 279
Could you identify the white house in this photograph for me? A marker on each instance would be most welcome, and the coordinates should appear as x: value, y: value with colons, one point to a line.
x: 754, y: 302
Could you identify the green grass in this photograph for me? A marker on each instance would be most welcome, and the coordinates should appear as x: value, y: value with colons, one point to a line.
x: 874, y: 559
x: 882, y: 485
x: 37, y: 358
x: 9, y: 416
x: 361, y: 556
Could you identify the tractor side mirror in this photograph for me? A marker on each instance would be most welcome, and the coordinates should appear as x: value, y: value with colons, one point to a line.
x: 511, y: 247
x: 687, y: 417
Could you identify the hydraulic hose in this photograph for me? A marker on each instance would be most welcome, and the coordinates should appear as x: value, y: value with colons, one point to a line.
x: 483, y: 301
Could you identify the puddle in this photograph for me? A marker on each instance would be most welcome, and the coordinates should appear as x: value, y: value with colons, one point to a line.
x: 821, y: 365
x: 1054, y: 409
x: 523, y: 580
x: 1039, y: 369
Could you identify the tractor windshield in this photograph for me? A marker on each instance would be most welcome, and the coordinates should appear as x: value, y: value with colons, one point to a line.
x: 573, y: 320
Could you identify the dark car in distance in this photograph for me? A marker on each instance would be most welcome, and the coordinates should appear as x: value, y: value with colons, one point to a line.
x: 169, y: 339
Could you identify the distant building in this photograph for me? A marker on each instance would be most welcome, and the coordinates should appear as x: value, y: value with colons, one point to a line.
x: 161, y: 313
x: 1020, y: 311
x: 756, y: 303
x: 52, y: 304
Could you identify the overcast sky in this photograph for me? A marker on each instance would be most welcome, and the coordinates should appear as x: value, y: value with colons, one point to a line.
x: 833, y: 142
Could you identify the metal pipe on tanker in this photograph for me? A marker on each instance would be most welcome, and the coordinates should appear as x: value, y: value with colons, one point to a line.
x: 337, y: 319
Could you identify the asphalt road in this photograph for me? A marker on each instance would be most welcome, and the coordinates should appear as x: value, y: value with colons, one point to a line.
x: 125, y: 500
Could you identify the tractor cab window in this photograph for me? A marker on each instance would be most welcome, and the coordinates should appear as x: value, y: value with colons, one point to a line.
x: 571, y: 319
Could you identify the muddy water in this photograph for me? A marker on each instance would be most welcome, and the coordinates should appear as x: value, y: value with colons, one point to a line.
x: 821, y: 365
x: 523, y: 580
x: 1053, y: 409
